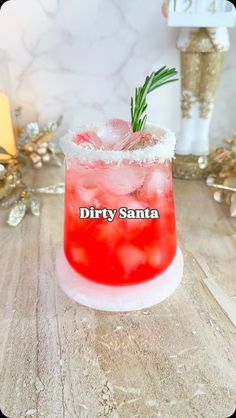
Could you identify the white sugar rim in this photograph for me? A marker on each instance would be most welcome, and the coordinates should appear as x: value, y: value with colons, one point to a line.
x: 162, y: 151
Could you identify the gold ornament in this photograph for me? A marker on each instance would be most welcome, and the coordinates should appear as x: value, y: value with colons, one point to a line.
x: 200, y: 75
x: 35, y: 143
x: 35, y: 148
x: 201, y: 63
x: 27, y: 202
x: 190, y: 167
x: 10, y: 176
x: 222, y: 173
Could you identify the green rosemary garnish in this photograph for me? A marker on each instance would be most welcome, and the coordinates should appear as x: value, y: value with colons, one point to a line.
x: 139, y: 103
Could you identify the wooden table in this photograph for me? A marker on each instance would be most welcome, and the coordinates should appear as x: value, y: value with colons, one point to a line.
x: 176, y: 360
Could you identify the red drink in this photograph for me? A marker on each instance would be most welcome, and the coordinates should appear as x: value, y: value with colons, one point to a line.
x: 126, y: 250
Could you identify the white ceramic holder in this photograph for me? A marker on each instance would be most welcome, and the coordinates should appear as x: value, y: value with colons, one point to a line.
x: 119, y: 298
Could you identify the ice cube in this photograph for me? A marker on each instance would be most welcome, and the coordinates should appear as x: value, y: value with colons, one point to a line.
x: 81, y: 184
x: 137, y: 140
x: 86, y: 196
x: 131, y: 257
x: 87, y: 180
x: 130, y: 141
x: 89, y: 138
x: 82, y: 176
x: 154, y: 255
x: 75, y: 169
x: 157, y: 181
x: 122, y: 180
x: 131, y: 203
x: 113, y: 132
x: 148, y: 139
x: 109, y: 232
x: 79, y: 255
x: 133, y: 226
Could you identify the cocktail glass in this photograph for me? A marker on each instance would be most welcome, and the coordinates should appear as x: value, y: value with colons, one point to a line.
x: 136, y: 244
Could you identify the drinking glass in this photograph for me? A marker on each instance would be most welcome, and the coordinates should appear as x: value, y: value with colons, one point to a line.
x: 139, y: 242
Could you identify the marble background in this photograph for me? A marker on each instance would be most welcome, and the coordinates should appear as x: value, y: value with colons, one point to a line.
x: 83, y: 59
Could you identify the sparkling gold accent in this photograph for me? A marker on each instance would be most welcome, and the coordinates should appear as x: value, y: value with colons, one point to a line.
x: 233, y: 209
x: 2, y: 171
x: 200, y: 75
x: 17, y: 213
x: 10, y: 178
x: 35, y: 207
x: 188, y: 167
x: 187, y: 101
x: 202, y: 40
x: 219, y: 196
x: 211, y: 179
x: 34, y: 145
x: 222, y: 166
x: 201, y: 63
x: 221, y: 186
x: 206, y: 104
x: 55, y: 189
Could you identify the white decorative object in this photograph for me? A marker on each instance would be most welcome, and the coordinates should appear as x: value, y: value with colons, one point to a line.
x: 119, y: 298
x: 202, y: 43
x: 201, y: 13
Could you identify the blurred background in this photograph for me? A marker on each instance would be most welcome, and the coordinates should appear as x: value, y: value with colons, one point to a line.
x: 83, y: 59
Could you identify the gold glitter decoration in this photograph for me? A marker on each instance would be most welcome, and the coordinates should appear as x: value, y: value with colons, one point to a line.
x: 35, y: 148
x: 222, y: 173
x: 10, y: 175
x: 190, y: 167
x: 202, y: 40
x: 206, y: 105
x: 26, y: 202
x: 187, y: 101
x: 55, y: 189
x: 201, y: 63
x: 35, y: 143
x: 17, y: 214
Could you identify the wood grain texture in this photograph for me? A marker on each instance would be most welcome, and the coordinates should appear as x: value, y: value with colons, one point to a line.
x: 62, y: 360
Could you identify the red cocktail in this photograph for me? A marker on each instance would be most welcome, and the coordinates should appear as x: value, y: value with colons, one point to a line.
x: 119, y: 208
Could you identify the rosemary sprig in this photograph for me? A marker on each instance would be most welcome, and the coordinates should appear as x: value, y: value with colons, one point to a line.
x: 139, y: 102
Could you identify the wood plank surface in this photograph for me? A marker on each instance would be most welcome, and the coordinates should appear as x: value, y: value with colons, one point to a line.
x: 62, y: 360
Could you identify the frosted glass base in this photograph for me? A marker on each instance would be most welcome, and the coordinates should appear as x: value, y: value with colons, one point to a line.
x: 119, y: 298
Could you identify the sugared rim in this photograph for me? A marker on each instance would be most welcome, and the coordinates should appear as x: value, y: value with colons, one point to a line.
x: 161, y: 151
